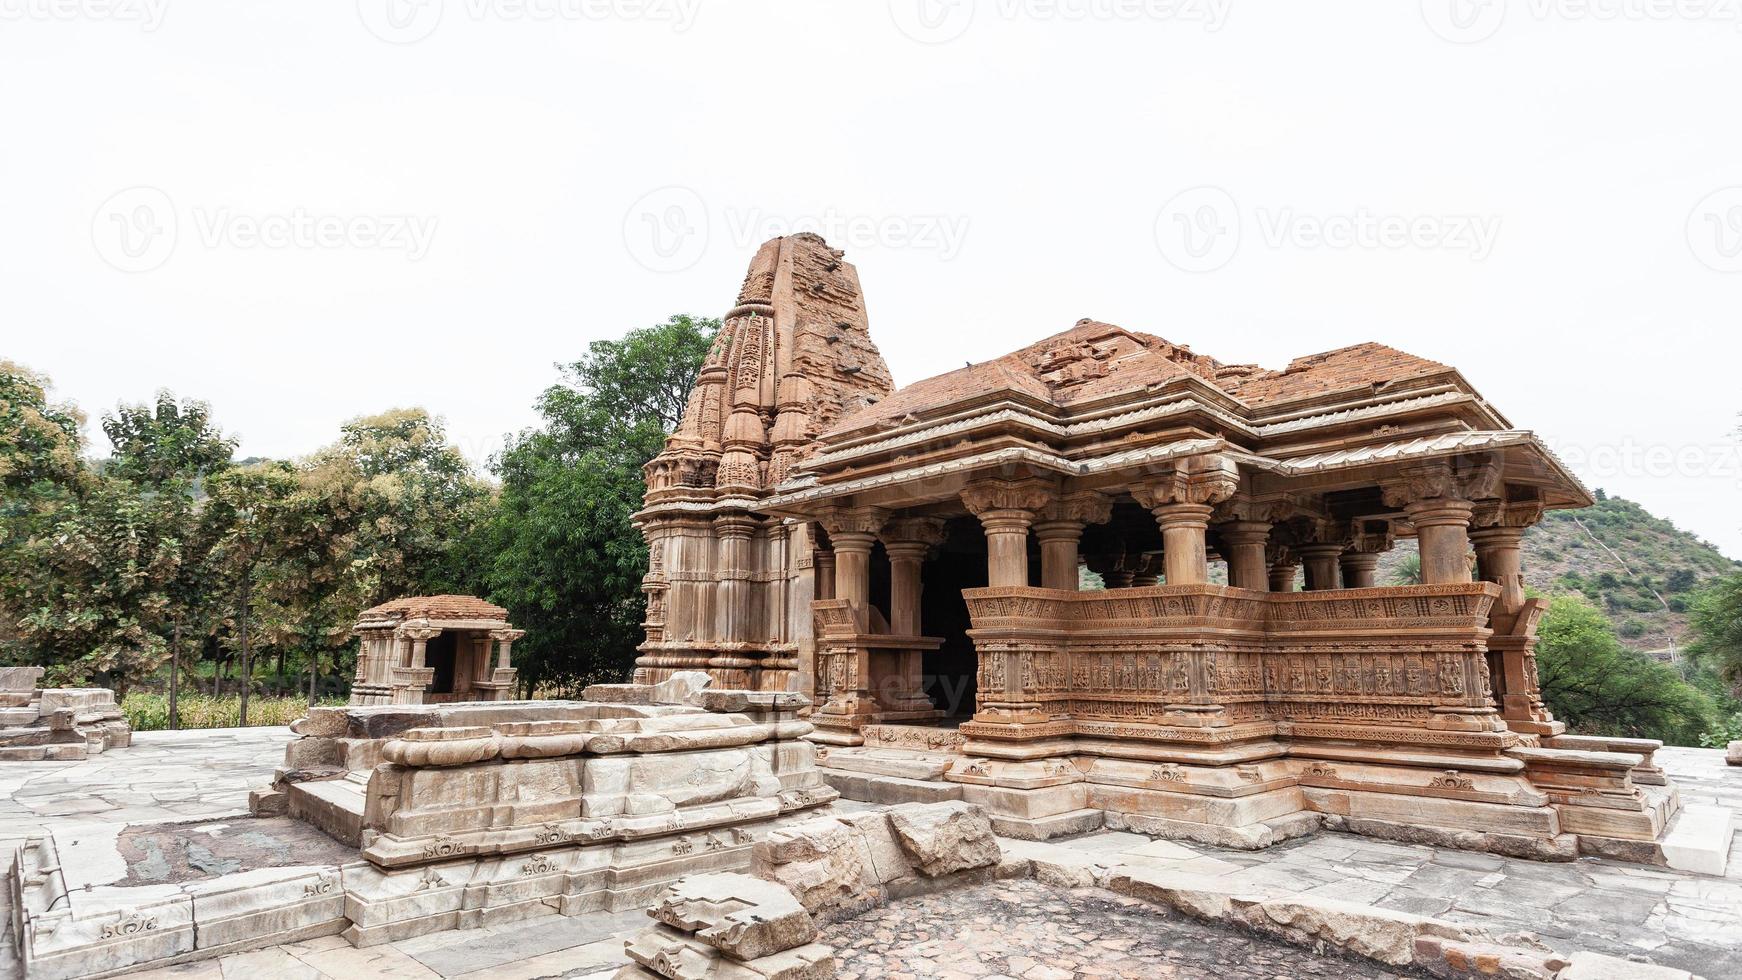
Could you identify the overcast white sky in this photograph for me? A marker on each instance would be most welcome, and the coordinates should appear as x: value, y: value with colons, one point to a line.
x: 304, y: 212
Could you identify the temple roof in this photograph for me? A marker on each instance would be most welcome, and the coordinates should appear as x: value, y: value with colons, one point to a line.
x: 1095, y: 360
x: 437, y: 607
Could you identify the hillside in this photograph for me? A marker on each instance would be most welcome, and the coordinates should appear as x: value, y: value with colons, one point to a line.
x: 1639, y: 568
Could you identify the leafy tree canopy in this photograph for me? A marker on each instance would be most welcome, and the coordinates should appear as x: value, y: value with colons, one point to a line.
x: 560, y: 552
x: 1598, y: 686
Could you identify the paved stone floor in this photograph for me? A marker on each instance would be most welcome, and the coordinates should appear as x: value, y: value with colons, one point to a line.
x: 163, y: 776
x: 1672, y: 918
x: 1023, y: 930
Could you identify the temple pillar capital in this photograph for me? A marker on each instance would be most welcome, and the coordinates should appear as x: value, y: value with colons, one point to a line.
x: 1007, y: 509
x: 915, y: 536
x: 853, y: 521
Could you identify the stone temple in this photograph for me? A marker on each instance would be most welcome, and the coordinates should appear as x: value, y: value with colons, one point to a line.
x: 913, y: 560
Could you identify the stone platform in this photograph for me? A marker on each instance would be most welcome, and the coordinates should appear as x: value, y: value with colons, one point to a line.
x: 384, y: 823
x: 1552, y: 798
x: 1661, y: 916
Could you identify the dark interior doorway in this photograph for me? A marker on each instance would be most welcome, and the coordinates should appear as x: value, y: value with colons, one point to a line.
x: 951, y: 671
x: 439, y: 653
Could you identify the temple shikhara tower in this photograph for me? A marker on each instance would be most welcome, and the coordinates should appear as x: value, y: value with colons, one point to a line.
x: 915, y: 561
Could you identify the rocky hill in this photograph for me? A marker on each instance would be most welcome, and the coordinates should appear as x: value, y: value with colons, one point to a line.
x: 1638, y: 567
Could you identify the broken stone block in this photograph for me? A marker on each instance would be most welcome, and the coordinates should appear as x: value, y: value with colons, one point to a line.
x: 268, y: 803
x: 1733, y: 754
x: 666, y: 952
x: 823, y: 862
x: 746, y: 918
x: 944, y: 838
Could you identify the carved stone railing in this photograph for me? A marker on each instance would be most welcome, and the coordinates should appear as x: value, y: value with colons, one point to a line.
x: 865, y: 678
x: 1165, y: 661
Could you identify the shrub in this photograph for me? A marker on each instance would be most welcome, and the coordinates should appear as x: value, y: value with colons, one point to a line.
x: 149, y: 712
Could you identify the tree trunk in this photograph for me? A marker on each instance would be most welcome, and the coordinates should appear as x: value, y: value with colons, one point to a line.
x: 247, y: 664
x: 174, y: 678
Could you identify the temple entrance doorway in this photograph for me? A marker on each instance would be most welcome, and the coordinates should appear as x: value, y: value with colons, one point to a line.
x: 440, y: 654
x: 951, y: 670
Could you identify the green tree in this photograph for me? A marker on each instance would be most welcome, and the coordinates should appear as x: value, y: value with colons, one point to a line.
x: 1598, y: 686
x: 94, y: 590
x: 560, y: 552
x: 164, y: 451
x: 240, y: 520
x: 40, y: 469
x: 1716, y: 617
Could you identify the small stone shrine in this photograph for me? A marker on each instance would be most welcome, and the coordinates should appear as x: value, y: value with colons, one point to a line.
x: 434, y: 650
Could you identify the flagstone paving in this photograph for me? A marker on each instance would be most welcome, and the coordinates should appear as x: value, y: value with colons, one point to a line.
x: 163, y: 776
x: 1023, y: 930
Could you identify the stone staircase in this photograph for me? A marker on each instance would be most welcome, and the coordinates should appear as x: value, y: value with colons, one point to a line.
x: 889, y: 775
x: 1699, y: 838
x: 333, y: 805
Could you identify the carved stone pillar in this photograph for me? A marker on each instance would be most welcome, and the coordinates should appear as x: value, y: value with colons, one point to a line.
x: 1244, y: 544
x: 1284, y: 570
x: 1438, y: 498
x: 412, y: 681
x: 908, y: 542
x: 1512, y: 649
x: 1367, y: 541
x: 1115, y: 570
x: 1060, y: 532
x: 853, y: 533
x: 1321, y: 560
x: 734, y: 622
x: 1007, y: 509
x: 1182, y: 502
x: 1147, y: 569
x: 825, y: 571
x: 1360, y: 570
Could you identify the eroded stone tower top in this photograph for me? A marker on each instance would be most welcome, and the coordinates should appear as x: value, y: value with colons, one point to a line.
x: 794, y: 355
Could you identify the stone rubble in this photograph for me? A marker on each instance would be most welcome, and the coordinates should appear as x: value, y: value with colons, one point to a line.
x: 56, y: 724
